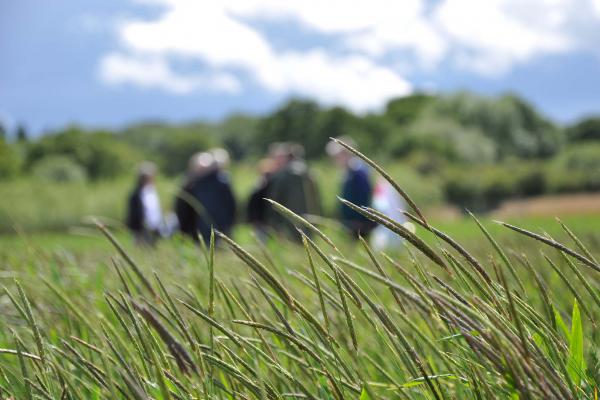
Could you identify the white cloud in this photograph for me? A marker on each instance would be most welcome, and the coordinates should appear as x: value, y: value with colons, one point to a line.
x: 155, y: 72
x: 216, y: 34
x: 353, y: 81
x: 488, y: 37
x: 374, y: 26
x: 494, y: 35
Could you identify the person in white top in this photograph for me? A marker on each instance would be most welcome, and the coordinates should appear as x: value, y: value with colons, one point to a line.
x: 151, y: 205
x: 144, y: 215
x: 389, y: 202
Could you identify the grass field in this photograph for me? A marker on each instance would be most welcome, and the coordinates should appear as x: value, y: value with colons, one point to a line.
x: 33, y: 205
x: 464, y: 309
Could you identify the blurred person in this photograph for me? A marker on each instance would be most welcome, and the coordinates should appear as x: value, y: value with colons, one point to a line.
x: 389, y: 202
x: 256, y: 210
x: 292, y: 186
x: 144, y: 216
x: 356, y: 187
x: 221, y: 157
x: 206, y: 200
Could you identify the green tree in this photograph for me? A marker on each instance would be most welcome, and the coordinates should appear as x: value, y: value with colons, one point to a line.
x: 59, y: 168
x: 97, y: 152
x: 21, y: 134
x: 584, y: 130
x: 9, y: 160
x: 514, y: 125
x: 170, y: 146
x: 296, y: 121
x: 446, y: 138
x: 237, y: 133
x: 576, y: 169
x: 405, y: 110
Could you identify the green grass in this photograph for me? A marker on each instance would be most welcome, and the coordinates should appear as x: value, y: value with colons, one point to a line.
x: 510, y: 317
x: 479, y: 310
x: 67, y: 278
x: 32, y: 205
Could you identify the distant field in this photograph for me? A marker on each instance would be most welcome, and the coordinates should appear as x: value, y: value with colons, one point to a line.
x: 567, y: 204
x: 33, y: 205
x: 84, y: 239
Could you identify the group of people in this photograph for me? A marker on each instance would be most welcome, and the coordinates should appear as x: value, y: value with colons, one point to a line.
x: 206, y: 201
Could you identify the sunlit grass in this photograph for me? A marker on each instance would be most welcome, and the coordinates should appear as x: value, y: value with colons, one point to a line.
x: 473, y: 312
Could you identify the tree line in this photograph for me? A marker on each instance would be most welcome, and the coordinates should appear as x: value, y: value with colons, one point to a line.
x: 480, y: 149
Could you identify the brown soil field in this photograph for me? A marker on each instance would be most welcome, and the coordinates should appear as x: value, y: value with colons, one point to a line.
x: 569, y: 204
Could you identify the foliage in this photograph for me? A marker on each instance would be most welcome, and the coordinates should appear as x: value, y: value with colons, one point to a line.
x: 296, y: 121
x: 59, y: 168
x: 480, y: 150
x: 515, y: 127
x: 169, y: 146
x: 587, y: 129
x: 306, y: 123
x: 237, y: 133
x: 405, y: 110
x: 97, y: 152
x: 9, y: 160
x: 21, y: 134
x: 447, y: 139
x: 482, y: 188
x: 576, y: 169
x: 31, y: 205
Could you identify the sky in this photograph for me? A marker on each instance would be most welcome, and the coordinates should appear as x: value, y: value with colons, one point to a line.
x: 108, y: 63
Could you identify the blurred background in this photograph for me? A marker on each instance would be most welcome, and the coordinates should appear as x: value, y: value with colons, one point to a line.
x: 489, y: 106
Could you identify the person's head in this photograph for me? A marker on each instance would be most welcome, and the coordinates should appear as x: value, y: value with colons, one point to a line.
x: 266, y: 167
x: 221, y: 157
x: 146, y: 173
x: 339, y: 153
x: 285, y: 152
x: 201, y: 163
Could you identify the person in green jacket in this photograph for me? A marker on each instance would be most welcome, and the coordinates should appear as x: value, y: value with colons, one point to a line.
x: 292, y: 186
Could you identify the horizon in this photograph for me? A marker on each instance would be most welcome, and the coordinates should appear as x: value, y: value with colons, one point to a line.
x: 218, y: 120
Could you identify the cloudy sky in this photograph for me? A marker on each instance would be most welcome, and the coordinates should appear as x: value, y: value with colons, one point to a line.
x: 111, y: 62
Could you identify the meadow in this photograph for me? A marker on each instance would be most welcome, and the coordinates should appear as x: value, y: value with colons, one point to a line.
x: 466, y: 309
x: 35, y: 205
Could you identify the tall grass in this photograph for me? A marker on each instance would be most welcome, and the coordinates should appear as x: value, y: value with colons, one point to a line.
x: 330, y: 319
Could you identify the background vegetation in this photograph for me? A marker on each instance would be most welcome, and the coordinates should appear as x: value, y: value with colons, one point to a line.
x: 470, y: 151
x: 504, y: 316
x: 476, y: 312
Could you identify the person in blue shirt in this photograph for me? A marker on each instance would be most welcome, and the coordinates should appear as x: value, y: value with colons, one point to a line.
x: 356, y: 188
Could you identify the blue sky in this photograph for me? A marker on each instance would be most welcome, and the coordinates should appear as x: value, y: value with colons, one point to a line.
x: 109, y: 63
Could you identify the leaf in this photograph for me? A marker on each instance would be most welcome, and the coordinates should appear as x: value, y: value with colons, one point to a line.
x: 575, y: 363
x: 458, y: 336
x: 561, y: 324
x: 421, y: 380
x: 539, y: 341
x: 364, y: 395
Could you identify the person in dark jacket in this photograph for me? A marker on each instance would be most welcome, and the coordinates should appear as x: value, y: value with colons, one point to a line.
x: 356, y: 188
x: 144, y: 217
x: 206, y: 200
x: 292, y: 186
x: 257, y: 207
